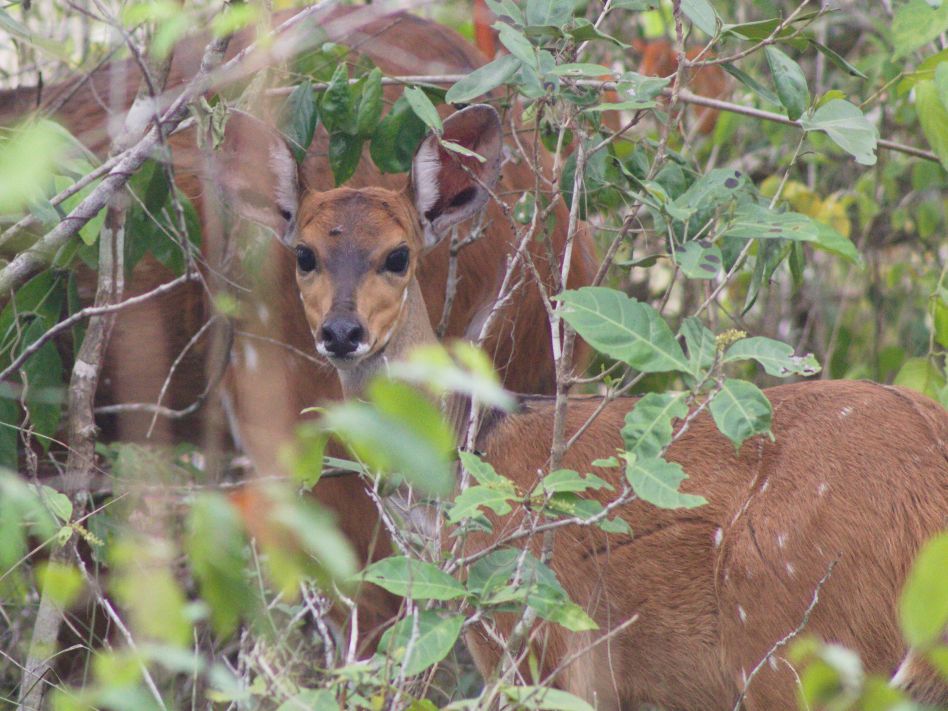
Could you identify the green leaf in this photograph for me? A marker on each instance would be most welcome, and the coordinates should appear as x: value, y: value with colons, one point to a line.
x: 216, y: 548
x: 776, y: 357
x: 699, y: 259
x: 311, y: 700
x: 941, y: 83
x: 635, y: 91
x: 568, y: 481
x: 657, y: 480
x: 57, y: 503
x: 837, y: 59
x: 753, y: 221
x: 702, y: 14
x: 845, y: 124
x: 544, y: 698
x: 752, y: 84
x: 336, y: 105
x: 401, y: 432
x: 580, y: 70
x: 345, y: 151
x: 370, y: 106
x: 921, y: 375
x: 483, y: 79
x: 648, y: 426
x: 549, y: 12
x: 923, y: 607
x: 552, y: 604
x: 584, y: 31
x: 427, y: 644
x: 484, y: 473
x: 790, y: 82
x: 299, y: 118
x: 496, y: 569
x: 413, y: 578
x: 915, y: 24
x: 424, y: 109
x: 396, y: 138
x: 701, y: 343
x: 623, y: 328
x: 933, y: 117
x: 46, y: 394
x: 468, y: 503
x: 9, y: 439
x: 517, y: 44
x: 508, y: 9
x: 741, y: 410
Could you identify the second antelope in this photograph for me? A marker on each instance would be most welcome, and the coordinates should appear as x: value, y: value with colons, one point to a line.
x: 857, y: 475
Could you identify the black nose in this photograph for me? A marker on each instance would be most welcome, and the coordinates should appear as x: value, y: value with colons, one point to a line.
x: 341, y: 335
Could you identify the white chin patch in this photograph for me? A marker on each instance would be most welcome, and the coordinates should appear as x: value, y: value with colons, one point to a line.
x: 346, y: 362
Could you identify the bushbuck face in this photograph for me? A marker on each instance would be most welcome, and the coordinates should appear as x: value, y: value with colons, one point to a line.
x: 357, y: 251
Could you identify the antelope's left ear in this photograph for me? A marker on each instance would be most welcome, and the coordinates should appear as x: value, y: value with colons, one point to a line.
x: 448, y: 187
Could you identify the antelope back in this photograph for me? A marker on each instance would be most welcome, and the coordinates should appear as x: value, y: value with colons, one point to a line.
x: 856, y: 480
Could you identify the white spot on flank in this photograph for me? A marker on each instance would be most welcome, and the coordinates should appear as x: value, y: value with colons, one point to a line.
x: 845, y: 412
x: 263, y: 313
x: 743, y: 676
x: 250, y: 357
x: 765, y: 485
x: 790, y: 569
x: 822, y: 489
x: 781, y: 540
x: 742, y: 613
x: 901, y: 676
x: 773, y: 663
x: 718, y: 537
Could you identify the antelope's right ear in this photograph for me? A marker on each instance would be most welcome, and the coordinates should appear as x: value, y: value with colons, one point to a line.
x: 448, y: 187
x: 257, y: 174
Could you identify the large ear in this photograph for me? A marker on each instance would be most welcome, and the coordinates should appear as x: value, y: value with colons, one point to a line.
x: 448, y: 187
x: 257, y: 174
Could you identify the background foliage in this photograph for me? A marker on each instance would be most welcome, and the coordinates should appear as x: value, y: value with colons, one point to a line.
x: 777, y: 238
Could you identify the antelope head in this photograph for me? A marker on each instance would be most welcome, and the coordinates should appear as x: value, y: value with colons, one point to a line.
x: 357, y: 250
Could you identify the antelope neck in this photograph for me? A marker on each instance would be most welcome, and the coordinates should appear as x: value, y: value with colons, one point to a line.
x: 412, y: 328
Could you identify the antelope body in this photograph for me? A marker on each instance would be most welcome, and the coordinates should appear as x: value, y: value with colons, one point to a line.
x: 858, y: 475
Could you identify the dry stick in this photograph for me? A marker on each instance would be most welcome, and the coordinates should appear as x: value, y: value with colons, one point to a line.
x: 783, y: 641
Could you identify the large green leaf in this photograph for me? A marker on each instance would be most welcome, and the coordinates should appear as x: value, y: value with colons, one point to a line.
x: 915, y: 24
x: 370, y: 105
x: 923, y: 607
x: 336, y: 107
x: 421, y: 640
x: 396, y: 138
x: 549, y: 12
x: 483, y: 79
x: 412, y: 578
x: 776, y: 357
x: 623, y: 328
x: 47, y: 389
x: 847, y: 126
x: 702, y: 14
x: 656, y: 480
x: 701, y: 344
x: 648, y: 426
x: 741, y: 410
x: 789, y: 80
x: 345, y: 151
x: 298, y: 119
x: 423, y: 108
x: 468, y: 503
x: 400, y: 432
x: 699, y: 259
x: 933, y: 116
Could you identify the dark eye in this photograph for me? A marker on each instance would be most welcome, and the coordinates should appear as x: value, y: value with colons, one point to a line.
x: 397, y: 260
x: 305, y: 259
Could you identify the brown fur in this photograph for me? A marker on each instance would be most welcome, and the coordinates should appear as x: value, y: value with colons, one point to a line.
x: 858, y: 473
